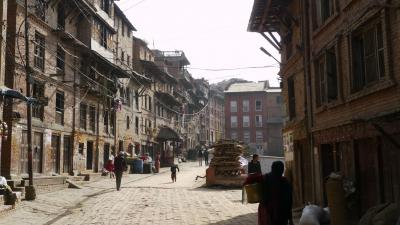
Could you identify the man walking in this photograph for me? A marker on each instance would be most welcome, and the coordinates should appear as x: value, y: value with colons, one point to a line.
x: 206, y: 157
x: 200, y: 155
x: 119, y: 167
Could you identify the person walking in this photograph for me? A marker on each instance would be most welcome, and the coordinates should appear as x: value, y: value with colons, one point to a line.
x: 206, y: 157
x: 157, y: 162
x: 200, y: 155
x: 254, y: 165
x: 174, y: 168
x: 119, y: 167
x: 275, y: 207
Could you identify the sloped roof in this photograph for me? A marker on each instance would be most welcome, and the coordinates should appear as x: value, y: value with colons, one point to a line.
x: 246, y: 87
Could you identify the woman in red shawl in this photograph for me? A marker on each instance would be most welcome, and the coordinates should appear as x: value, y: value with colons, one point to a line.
x: 275, y: 207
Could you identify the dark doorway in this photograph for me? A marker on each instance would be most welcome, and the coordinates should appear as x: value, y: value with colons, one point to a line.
x: 367, y: 170
x: 89, y: 155
x: 120, y: 146
x: 330, y: 164
x: 106, y: 155
x: 67, y: 154
x: 55, y: 153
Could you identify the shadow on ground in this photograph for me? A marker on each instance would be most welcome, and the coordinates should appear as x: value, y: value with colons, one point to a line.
x: 248, y: 219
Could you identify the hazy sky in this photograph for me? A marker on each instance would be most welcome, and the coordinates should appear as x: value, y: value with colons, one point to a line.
x: 212, y: 33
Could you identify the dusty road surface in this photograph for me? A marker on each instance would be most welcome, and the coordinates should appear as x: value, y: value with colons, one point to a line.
x: 144, y: 199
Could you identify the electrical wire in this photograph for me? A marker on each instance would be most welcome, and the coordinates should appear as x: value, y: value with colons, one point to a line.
x: 122, y: 62
x: 134, y: 5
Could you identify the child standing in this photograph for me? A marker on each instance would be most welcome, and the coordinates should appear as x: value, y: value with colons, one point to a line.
x: 173, y: 172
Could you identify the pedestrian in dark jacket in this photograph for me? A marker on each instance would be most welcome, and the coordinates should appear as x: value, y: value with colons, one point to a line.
x: 119, y: 168
x: 174, y: 168
x: 275, y: 207
x: 254, y: 165
x: 206, y: 157
x: 200, y: 155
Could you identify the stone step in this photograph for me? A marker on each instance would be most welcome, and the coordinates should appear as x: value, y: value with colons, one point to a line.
x: 75, y: 184
x: 91, y: 176
x: 76, y: 178
x: 46, y: 180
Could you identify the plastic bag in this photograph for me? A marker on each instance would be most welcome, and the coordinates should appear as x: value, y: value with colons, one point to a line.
x: 311, y: 215
x: 3, y: 181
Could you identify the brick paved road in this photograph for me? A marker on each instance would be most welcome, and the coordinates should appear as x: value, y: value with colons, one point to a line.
x: 144, y: 199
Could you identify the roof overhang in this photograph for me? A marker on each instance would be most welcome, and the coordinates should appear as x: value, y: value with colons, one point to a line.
x: 265, y: 16
x: 121, y: 13
x: 168, y: 134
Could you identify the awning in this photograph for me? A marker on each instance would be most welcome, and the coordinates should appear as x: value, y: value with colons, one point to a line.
x: 266, y: 15
x: 167, y: 134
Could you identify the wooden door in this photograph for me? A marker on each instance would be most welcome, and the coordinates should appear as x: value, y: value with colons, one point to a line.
x: 106, y: 154
x: 89, y: 155
x: 67, y: 154
x: 55, y: 153
x: 24, y: 153
x: 367, y: 172
x: 37, y: 153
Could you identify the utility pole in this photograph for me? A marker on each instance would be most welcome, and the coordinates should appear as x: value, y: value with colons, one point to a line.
x: 30, y: 190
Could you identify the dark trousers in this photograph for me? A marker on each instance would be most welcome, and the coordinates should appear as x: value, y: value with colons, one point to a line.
x: 206, y: 160
x: 118, y: 178
x: 173, y: 176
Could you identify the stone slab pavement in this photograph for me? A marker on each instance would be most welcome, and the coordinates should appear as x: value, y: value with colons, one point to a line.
x: 143, y: 199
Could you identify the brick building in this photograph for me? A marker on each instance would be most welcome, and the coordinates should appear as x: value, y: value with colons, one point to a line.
x: 3, y: 51
x: 216, y: 112
x: 338, y: 73
x: 73, y: 77
x: 253, y: 115
x: 98, y: 90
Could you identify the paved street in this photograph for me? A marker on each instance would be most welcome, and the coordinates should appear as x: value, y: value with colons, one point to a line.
x: 144, y: 199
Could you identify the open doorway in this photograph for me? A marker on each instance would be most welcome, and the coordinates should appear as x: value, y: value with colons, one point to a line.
x: 89, y: 155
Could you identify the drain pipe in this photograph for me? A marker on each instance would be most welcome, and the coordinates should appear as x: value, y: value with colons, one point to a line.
x: 307, y: 86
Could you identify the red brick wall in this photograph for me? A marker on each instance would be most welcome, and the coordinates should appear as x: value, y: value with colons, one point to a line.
x: 366, y: 103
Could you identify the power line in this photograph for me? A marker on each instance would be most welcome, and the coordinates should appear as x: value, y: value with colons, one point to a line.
x: 134, y: 5
x: 122, y: 62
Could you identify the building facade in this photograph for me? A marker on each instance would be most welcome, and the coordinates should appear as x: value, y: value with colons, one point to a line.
x: 216, y: 114
x: 98, y: 91
x: 343, y: 54
x: 253, y: 115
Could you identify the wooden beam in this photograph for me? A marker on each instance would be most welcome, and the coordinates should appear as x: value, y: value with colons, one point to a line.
x: 264, y: 16
x: 271, y: 42
x: 274, y: 38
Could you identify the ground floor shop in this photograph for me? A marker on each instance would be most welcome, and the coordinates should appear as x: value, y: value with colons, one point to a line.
x: 366, y: 154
